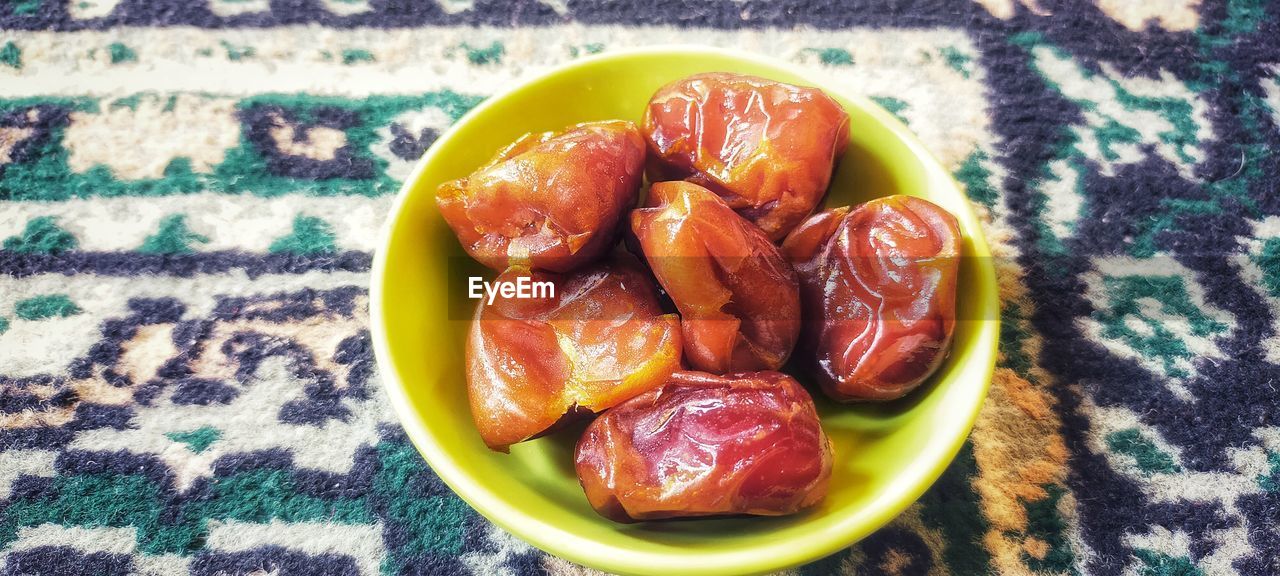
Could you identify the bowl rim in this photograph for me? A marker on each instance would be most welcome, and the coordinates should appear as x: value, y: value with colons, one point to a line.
x: 546, y: 535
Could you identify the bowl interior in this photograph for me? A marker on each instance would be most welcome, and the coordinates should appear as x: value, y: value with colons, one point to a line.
x: 886, y: 454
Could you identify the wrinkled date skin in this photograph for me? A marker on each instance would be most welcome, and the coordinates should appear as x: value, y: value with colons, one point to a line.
x: 704, y: 445
x: 878, y: 284
x: 739, y: 300
x: 534, y: 363
x: 550, y: 201
x: 766, y: 147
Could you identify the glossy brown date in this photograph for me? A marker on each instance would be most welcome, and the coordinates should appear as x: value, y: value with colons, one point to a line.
x: 739, y: 300
x: 878, y: 285
x: 766, y: 147
x: 550, y: 201
x: 535, y: 362
x: 704, y: 445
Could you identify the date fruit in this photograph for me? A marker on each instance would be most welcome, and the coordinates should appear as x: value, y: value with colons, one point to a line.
x: 878, y: 286
x: 550, y: 201
x: 704, y: 445
x: 738, y: 299
x: 534, y: 363
x: 766, y: 147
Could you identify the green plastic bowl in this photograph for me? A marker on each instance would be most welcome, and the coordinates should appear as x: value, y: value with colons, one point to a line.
x: 886, y: 455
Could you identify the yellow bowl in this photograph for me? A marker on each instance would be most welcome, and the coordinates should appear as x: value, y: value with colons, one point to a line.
x: 887, y: 455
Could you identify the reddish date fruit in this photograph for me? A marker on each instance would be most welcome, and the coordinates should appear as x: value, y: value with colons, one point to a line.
x: 739, y: 300
x: 766, y: 147
x: 534, y: 362
x: 550, y: 201
x: 878, y: 284
x: 704, y: 445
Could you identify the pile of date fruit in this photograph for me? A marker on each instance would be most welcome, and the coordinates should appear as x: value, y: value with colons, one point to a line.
x: 691, y: 415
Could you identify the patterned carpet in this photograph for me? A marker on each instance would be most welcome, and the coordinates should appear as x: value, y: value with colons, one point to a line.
x: 189, y: 194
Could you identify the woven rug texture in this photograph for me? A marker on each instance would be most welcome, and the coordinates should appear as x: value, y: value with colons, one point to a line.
x: 190, y: 192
